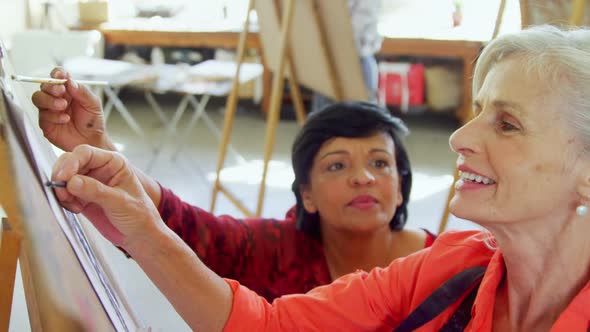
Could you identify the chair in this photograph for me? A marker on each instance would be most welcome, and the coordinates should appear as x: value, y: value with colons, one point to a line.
x: 206, y: 79
x: 118, y: 74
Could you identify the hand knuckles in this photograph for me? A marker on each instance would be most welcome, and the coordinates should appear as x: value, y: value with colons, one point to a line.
x: 82, y: 149
x: 57, y: 70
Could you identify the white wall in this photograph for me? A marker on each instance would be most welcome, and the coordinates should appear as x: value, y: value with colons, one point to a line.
x: 12, y: 17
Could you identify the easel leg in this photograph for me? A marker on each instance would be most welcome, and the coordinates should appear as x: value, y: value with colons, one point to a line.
x: 9, y: 251
x: 464, y: 113
x: 577, y: 14
x: 231, y: 106
x: 296, y: 94
x: 276, y: 100
x: 445, y: 217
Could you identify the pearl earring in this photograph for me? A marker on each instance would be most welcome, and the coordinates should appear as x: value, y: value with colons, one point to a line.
x: 582, y: 210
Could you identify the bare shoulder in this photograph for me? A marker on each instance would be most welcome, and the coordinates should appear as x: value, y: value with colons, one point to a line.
x: 409, y: 241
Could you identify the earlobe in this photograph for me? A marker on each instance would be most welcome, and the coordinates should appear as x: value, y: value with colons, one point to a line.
x: 584, y: 184
x: 308, y: 203
x: 400, y: 197
x: 583, y: 189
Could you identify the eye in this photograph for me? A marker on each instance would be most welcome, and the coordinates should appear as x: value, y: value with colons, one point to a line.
x: 380, y: 163
x: 335, y: 166
x: 506, y: 126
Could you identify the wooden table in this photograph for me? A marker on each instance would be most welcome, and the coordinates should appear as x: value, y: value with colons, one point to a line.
x: 170, y: 38
x: 163, y: 33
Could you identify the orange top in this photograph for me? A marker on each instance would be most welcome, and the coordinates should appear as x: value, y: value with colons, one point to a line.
x: 381, y: 299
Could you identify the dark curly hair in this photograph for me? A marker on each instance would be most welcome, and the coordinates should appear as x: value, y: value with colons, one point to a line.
x: 347, y: 119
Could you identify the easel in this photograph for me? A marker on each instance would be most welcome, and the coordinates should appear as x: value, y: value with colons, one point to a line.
x: 288, y: 61
x: 575, y: 19
x: 58, y: 292
x: 9, y: 252
x: 10, y: 241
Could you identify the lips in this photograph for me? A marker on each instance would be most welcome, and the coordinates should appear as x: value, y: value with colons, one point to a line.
x: 363, y: 202
x: 466, y: 173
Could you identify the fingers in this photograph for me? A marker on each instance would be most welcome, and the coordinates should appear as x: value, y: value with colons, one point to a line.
x: 84, y: 96
x: 47, y: 117
x: 52, y: 96
x: 59, y: 96
x: 56, y: 90
x: 87, y: 189
x: 106, y: 167
x: 44, y: 100
x: 59, y: 72
x: 84, y: 159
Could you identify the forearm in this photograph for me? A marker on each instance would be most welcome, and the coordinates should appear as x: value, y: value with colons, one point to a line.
x: 202, y: 298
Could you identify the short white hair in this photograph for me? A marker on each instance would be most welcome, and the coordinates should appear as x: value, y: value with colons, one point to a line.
x: 558, y: 56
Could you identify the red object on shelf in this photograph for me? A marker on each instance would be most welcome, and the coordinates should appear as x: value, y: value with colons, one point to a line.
x: 401, y: 84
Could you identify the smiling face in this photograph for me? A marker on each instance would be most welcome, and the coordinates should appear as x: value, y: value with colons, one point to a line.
x: 519, y: 158
x: 354, y: 183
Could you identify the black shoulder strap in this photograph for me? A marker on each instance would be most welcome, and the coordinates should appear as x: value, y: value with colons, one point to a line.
x: 442, y: 298
x: 462, y: 316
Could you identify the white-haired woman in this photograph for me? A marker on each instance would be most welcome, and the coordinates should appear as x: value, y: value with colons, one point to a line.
x: 525, y: 167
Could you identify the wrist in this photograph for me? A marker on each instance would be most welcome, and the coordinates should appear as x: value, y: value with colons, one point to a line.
x: 142, y: 245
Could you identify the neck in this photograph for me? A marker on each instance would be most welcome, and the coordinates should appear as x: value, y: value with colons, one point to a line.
x: 347, y: 251
x: 543, y: 270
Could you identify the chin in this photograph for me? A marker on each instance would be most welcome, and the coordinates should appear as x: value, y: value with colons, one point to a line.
x: 475, y: 216
x: 365, y: 227
x: 463, y: 212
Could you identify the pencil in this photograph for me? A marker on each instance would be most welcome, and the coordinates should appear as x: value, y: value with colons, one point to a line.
x: 49, y: 80
x: 59, y: 184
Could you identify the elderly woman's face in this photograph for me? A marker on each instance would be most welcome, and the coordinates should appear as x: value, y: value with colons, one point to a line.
x: 354, y: 183
x: 519, y: 157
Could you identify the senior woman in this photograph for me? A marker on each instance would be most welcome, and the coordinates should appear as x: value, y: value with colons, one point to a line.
x: 352, y: 186
x: 525, y: 176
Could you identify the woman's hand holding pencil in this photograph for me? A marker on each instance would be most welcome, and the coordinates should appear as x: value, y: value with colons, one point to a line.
x: 103, y: 186
x: 70, y: 114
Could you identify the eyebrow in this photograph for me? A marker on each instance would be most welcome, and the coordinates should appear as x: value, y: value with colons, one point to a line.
x: 504, y: 105
x: 374, y: 150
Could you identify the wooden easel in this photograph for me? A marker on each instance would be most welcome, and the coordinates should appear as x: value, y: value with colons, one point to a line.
x: 58, y: 292
x: 11, y: 232
x: 9, y: 253
x: 282, y: 65
x: 575, y: 19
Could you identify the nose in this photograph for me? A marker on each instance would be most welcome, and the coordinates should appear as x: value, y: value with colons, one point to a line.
x: 361, y: 176
x: 465, y: 139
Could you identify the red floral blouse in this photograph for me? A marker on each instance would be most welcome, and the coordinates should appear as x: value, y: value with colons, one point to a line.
x: 269, y: 256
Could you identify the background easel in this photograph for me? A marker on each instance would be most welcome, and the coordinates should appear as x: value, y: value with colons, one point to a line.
x: 299, y: 45
x: 575, y: 18
x: 58, y: 292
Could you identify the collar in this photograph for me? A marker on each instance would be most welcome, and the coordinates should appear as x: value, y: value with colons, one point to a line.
x: 482, y: 312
